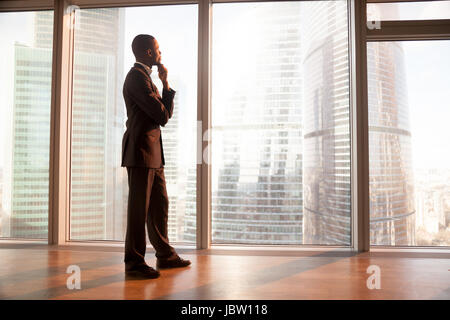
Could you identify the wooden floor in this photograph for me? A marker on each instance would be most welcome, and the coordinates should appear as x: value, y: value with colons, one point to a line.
x: 39, y: 272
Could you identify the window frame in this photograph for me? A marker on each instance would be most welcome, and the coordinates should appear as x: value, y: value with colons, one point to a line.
x: 406, y: 30
x: 359, y: 36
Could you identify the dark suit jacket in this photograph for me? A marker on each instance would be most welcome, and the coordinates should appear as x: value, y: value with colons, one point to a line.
x: 146, y: 111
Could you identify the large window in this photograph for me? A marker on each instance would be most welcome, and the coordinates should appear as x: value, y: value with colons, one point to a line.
x: 280, y: 120
x: 409, y: 112
x: 25, y: 91
x: 276, y: 101
x: 102, y: 58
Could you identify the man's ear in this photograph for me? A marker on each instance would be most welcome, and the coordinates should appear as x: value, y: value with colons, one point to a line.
x: 149, y: 52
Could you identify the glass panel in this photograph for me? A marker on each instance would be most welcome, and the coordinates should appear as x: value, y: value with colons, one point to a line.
x: 25, y: 92
x: 102, y: 57
x: 280, y: 118
x: 409, y: 134
x: 423, y: 10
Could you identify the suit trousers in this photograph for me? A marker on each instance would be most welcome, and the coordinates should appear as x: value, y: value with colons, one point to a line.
x: 148, y: 204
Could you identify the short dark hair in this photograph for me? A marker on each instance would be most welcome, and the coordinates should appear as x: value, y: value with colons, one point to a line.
x: 141, y: 43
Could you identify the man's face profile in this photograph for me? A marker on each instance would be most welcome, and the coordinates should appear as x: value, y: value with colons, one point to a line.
x: 155, y: 53
x: 146, y: 50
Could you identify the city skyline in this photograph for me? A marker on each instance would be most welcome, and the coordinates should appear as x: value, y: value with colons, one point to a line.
x: 424, y: 127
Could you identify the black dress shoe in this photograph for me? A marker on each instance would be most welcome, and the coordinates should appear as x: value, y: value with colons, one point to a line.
x: 142, y: 271
x: 172, y: 263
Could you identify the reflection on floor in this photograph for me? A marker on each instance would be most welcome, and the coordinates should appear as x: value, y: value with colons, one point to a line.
x: 39, y: 272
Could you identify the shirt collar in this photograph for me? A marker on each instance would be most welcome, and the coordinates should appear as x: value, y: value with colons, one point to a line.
x: 146, y: 67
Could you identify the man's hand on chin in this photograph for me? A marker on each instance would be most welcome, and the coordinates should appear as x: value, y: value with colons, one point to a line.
x: 162, y: 73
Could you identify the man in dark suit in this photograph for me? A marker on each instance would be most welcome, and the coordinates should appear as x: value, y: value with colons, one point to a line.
x: 143, y: 155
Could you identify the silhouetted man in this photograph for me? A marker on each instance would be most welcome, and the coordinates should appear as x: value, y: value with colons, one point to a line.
x: 142, y: 154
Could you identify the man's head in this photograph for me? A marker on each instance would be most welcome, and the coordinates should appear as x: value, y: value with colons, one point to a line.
x: 146, y: 49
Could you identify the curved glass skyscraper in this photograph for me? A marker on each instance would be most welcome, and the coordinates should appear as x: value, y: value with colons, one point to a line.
x: 326, y: 131
x: 392, y: 212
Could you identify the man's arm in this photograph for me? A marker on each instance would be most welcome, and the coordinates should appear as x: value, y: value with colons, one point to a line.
x: 167, y: 98
x: 159, y: 109
x: 167, y: 91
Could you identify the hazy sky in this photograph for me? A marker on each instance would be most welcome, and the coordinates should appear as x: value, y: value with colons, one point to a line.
x: 422, y: 10
x: 428, y: 85
x: 175, y: 28
x: 20, y: 28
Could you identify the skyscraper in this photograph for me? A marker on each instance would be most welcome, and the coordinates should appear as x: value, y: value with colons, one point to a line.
x: 175, y: 169
x: 190, y: 218
x: 31, y: 141
x: 258, y: 196
x: 97, y: 207
x: 326, y: 131
x: 327, y: 140
x: 392, y: 209
x: 97, y: 189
